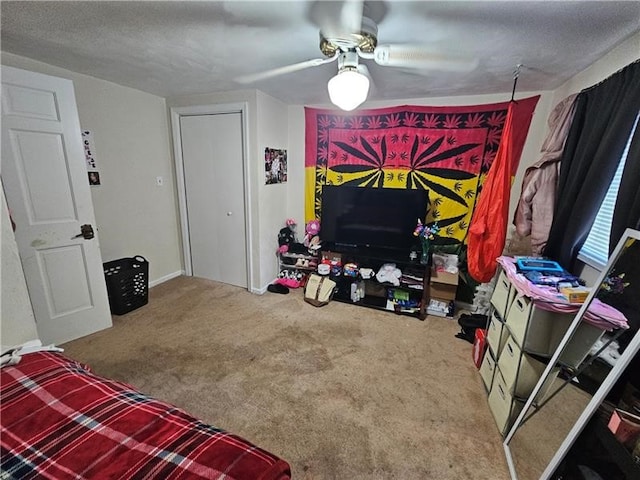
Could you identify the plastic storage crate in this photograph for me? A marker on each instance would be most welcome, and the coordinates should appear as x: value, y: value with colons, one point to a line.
x: 127, y: 284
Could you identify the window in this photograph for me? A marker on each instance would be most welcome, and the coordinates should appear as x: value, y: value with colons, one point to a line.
x: 595, y: 251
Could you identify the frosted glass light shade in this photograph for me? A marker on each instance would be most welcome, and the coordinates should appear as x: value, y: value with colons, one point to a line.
x: 348, y: 89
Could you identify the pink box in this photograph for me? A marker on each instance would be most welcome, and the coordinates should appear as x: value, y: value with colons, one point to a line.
x: 625, y: 426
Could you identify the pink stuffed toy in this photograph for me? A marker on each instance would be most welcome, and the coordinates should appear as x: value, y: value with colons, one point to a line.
x: 311, y: 230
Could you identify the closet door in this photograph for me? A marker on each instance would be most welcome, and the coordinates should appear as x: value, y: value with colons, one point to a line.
x: 214, y: 189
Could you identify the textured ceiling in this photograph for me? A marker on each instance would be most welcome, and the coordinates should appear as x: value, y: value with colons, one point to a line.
x: 176, y: 48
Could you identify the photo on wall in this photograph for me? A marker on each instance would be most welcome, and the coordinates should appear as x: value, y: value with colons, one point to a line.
x: 90, y: 157
x: 275, y: 165
x: 94, y: 178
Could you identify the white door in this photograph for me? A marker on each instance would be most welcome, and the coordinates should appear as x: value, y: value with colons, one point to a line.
x: 44, y: 177
x: 212, y: 157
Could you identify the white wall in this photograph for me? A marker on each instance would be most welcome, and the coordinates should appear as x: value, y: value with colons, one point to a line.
x: 17, y: 323
x: 618, y: 58
x: 130, y: 129
x: 273, y: 133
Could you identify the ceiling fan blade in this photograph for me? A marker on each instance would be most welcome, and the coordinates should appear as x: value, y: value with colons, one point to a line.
x: 337, y: 19
x: 420, y: 57
x: 351, y: 15
x: 254, y: 77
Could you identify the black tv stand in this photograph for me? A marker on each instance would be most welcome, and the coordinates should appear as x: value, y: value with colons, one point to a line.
x: 410, y: 297
x: 381, y: 253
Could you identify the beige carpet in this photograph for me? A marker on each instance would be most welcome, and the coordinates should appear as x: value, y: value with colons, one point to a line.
x: 340, y: 392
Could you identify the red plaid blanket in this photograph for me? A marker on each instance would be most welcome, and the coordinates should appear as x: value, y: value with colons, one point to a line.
x: 60, y: 421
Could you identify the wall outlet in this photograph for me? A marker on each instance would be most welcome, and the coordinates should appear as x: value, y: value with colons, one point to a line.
x: 159, y: 181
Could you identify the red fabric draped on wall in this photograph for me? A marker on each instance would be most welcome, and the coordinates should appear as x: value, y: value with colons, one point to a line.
x: 488, y: 229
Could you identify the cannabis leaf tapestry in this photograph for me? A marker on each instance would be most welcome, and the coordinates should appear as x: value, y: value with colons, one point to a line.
x: 447, y: 150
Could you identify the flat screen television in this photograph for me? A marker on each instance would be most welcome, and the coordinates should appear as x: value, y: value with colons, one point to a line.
x: 377, y: 218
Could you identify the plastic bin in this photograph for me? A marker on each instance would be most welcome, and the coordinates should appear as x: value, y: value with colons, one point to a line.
x: 127, y: 283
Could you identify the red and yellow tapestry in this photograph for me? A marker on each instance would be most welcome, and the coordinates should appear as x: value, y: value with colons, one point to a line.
x: 447, y: 150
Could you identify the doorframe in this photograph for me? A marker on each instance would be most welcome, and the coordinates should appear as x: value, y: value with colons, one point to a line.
x: 196, y: 110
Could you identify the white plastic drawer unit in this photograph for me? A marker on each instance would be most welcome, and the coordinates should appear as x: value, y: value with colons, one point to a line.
x: 502, y: 294
x: 520, y: 371
x: 540, y: 331
x: 496, y: 334
x: 518, y: 318
x: 503, y: 406
x: 580, y: 344
x: 488, y: 368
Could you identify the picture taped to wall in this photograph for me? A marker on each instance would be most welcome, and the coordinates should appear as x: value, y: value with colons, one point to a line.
x: 94, y: 178
x: 89, y: 150
x: 275, y: 165
x: 90, y: 157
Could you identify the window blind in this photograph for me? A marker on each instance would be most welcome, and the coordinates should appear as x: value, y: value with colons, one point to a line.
x: 595, y: 250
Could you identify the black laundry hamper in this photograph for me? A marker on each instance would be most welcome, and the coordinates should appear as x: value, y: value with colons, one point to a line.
x: 127, y: 283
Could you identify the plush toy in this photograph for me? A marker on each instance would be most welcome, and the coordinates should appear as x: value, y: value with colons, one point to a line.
x: 389, y: 273
x: 311, y: 230
x: 314, y: 245
x: 287, y: 235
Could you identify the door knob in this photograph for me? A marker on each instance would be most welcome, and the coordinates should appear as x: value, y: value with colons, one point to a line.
x: 86, y: 232
x: 229, y: 214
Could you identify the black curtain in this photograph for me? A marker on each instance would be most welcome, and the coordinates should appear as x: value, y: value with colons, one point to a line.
x: 627, y: 210
x: 604, y: 117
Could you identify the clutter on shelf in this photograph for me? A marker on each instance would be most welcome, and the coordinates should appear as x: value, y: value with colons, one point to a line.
x: 482, y: 298
x: 440, y: 308
x: 368, y: 279
x: 445, y: 262
x: 389, y: 273
x: 295, y: 260
x: 444, y: 284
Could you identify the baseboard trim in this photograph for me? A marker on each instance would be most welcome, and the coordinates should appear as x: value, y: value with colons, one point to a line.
x: 158, y: 281
x: 259, y: 291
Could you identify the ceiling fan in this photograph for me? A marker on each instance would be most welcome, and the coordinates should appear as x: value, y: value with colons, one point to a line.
x: 348, y: 34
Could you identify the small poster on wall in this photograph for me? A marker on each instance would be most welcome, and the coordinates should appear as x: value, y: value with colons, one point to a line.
x: 94, y: 178
x: 90, y: 157
x: 275, y: 165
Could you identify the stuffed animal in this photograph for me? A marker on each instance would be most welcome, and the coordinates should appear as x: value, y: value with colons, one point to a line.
x: 314, y: 245
x: 287, y: 235
x: 389, y: 273
x: 311, y: 230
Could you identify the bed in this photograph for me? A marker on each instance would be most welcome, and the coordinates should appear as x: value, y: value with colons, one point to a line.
x: 59, y: 421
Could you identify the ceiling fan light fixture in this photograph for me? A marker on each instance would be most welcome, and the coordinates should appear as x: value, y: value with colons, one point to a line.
x: 348, y: 89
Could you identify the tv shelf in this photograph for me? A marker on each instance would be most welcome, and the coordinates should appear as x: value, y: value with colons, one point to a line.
x: 386, y: 255
x: 410, y: 297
